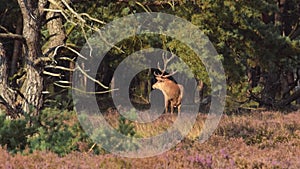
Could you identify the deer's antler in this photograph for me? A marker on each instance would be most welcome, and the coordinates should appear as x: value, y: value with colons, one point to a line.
x: 166, y: 60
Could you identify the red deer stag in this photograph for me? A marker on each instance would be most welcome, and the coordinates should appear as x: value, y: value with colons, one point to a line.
x: 172, y: 92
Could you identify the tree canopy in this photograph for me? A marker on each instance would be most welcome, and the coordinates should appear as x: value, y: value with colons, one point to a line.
x: 257, y: 41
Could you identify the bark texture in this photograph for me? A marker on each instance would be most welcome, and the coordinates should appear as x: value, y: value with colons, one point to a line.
x: 7, y: 96
x: 33, y: 85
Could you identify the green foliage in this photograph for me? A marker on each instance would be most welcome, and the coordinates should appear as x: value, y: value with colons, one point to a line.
x: 237, y: 30
x: 62, y: 101
x: 59, y: 132
x: 125, y: 127
x: 13, y: 133
x: 114, y: 140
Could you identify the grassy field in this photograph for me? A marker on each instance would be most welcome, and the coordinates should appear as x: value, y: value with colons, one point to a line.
x: 253, y: 140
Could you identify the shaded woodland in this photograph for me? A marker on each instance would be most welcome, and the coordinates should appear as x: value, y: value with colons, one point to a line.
x: 258, y: 43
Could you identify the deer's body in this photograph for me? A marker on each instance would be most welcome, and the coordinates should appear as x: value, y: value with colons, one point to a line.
x: 172, y: 92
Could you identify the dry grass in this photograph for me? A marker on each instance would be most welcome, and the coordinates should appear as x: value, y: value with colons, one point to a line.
x: 255, y: 140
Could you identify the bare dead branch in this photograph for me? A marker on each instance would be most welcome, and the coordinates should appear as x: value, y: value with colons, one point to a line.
x: 72, y: 11
x: 92, y: 147
x: 67, y: 59
x: 290, y: 99
x: 82, y: 91
x: 12, y: 36
x: 42, y: 59
x: 89, y: 77
x: 91, y: 18
x: 295, y: 31
x: 276, y: 104
x: 69, y: 48
x: 63, y: 82
x: 142, y: 98
x: 143, y: 6
x: 77, y: 19
x: 60, y: 67
x: 52, y: 74
x: 3, y: 28
x: 155, y: 2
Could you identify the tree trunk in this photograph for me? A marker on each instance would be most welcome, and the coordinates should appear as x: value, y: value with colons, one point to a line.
x: 271, y: 89
x: 55, y: 28
x: 57, y: 36
x: 7, y: 96
x: 254, y: 74
x: 17, y: 48
x: 282, y: 17
x: 33, y: 85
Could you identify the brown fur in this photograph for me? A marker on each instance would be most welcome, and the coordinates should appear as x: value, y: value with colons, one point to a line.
x: 172, y: 92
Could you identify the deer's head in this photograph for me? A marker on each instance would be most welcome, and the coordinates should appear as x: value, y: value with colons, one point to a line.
x: 161, y: 78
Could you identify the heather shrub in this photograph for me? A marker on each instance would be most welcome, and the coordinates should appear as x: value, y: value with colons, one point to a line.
x: 279, y: 147
x: 260, y: 128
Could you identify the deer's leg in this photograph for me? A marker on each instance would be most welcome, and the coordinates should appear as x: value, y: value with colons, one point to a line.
x: 179, y: 108
x: 166, y: 105
x: 172, y: 107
